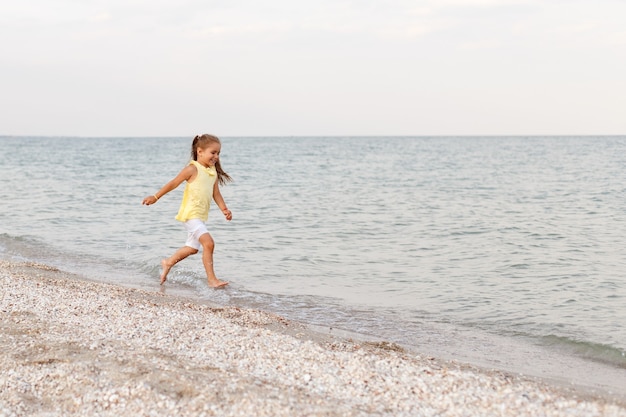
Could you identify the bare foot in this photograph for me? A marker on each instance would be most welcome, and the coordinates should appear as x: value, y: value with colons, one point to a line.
x: 166, y: 268
x: 217, y: 283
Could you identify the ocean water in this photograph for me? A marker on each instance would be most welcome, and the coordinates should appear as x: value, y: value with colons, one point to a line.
x: 504, y: 251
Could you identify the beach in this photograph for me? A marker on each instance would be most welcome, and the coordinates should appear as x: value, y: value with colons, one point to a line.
x: 70, y: 347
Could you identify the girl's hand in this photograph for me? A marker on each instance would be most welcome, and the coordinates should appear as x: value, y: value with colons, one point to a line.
x: 228, y: 214
x: 151, y: 199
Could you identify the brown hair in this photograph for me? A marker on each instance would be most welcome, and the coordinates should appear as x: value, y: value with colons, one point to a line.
x: 201, y: 141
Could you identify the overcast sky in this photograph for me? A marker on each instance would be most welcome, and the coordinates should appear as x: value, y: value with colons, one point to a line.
x: 323, y: 67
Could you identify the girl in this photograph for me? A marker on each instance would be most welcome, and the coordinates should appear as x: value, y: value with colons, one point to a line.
x: 204, y: 174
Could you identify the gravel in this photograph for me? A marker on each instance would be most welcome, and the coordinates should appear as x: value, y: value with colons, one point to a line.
x: 70, y: 347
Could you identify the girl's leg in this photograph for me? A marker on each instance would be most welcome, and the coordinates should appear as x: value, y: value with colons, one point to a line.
x: 178, y: 256
x: 208, y: 245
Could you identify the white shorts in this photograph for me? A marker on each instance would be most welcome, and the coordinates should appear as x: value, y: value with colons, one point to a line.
x: 195, y: 229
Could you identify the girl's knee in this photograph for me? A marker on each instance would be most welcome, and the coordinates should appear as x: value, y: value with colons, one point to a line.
x: 207, y: 242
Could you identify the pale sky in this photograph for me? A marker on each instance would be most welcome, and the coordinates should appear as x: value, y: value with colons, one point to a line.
x: 307, y: 68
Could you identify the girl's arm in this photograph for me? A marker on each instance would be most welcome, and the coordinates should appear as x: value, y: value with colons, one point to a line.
x: 186, y: 174
x: 219, y: 200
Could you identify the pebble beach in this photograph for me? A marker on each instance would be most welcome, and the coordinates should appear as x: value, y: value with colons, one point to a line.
x: 70, y: 347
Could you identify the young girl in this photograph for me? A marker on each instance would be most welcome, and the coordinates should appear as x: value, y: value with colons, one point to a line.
x: 204, y: 174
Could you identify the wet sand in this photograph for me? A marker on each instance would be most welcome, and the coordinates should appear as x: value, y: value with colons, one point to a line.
x: 70, y: 347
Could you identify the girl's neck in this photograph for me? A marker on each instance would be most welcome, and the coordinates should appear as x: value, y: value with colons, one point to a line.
x: 206, y: 166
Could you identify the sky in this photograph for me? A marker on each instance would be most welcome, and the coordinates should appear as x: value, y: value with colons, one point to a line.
x: 312, y: 68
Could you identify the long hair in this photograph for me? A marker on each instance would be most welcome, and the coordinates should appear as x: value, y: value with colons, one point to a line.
x: 202, y: 141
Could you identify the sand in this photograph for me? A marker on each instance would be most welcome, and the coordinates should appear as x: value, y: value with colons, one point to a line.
x: 70, y: 347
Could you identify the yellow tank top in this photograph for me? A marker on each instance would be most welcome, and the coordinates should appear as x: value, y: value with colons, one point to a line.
x: 198, y: 194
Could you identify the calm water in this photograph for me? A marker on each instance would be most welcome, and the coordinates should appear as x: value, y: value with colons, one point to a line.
x: 460, y: 246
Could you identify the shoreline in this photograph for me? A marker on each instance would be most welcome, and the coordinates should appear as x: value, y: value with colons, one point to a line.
x: 76, y: 347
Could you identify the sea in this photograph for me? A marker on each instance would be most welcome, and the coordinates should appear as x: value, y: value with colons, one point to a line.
x: 503, y: 252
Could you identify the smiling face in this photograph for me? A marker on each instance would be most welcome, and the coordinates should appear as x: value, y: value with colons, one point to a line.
x: 210, y: 154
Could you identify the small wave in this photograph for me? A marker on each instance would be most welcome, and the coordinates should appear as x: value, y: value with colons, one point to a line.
x: 25, y: 248
x: 610, y: 355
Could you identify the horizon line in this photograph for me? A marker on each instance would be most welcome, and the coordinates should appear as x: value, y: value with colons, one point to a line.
x: 3, y: 136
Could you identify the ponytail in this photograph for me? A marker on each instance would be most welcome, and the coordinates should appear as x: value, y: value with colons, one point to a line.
x: 194, y: 148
